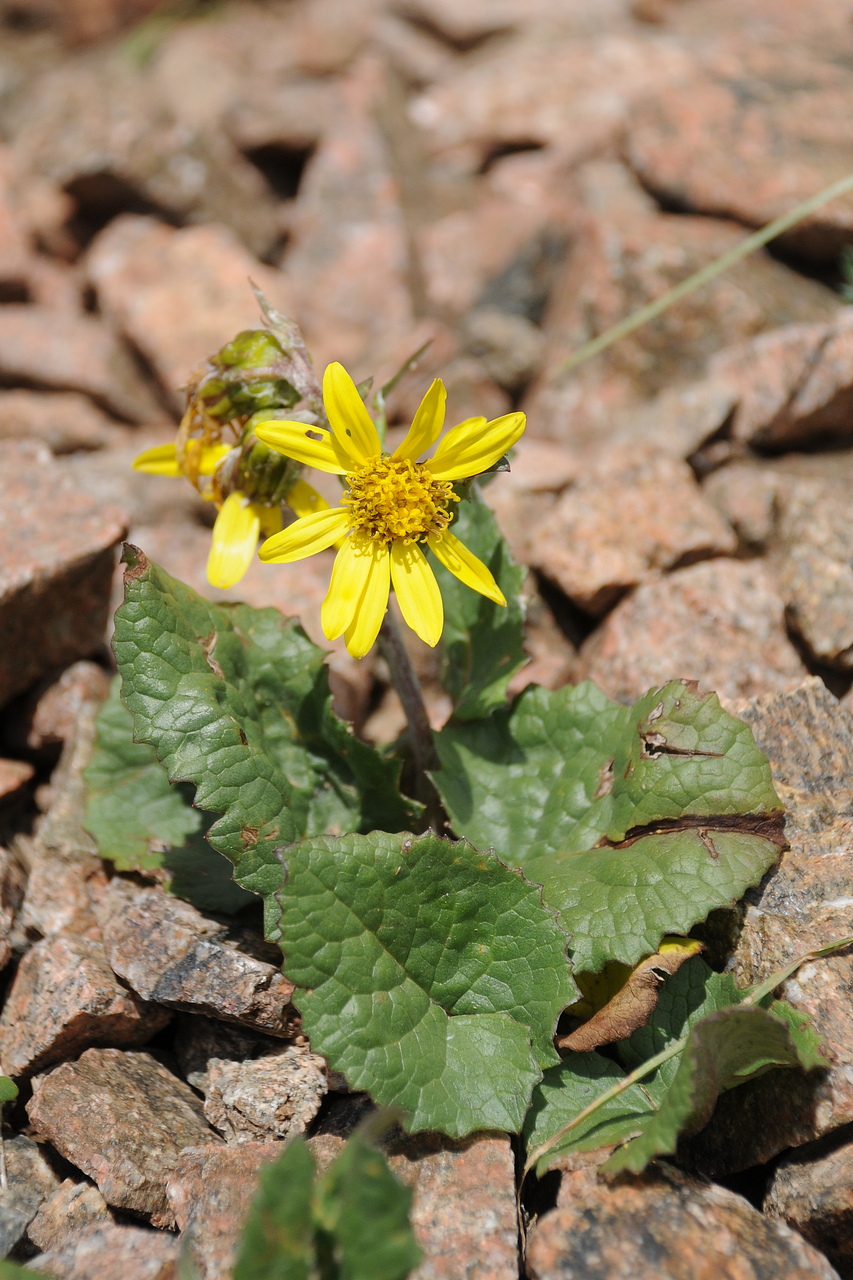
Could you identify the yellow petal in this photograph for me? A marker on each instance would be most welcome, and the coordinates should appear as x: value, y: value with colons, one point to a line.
x: 360, y: 635
x: 464, y: 565
x: 211, y: 456
x: 306, y: 536
x: 304, y: 499
x: 312, y: 445
x: 346, y: 587
x: 235, y: 539
x: 271, y: 519
x: 352, y: 425
x: 426, y: 424
x: 473, y: 447
x: 162, y: 460
x: 417, y: 592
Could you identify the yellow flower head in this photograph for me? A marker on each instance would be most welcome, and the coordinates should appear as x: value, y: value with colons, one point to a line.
x: 392, y: 507
x: 239, y: 522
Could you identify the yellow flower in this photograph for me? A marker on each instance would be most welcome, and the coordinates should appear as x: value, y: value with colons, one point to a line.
x: 239, y: 522
x: 391, y: 508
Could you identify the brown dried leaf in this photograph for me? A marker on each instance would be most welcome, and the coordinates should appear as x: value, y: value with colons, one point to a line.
x: 635, y: 1002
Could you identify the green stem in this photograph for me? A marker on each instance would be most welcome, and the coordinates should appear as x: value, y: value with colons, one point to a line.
x: 408, y: 687
x: 704, y: 276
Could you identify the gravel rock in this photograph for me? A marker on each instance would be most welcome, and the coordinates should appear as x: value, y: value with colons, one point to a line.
x: 113, y: 141
x: 630, y: 516
x: 704, y: 145
x: 111, y: 1252
x: 178, y: 295
x: 265, y: 1098
x: 31, y: 1181
x: 804, y: 903
x: 210, y: 1190
x: 57, y: 351
x: 794, y: 385
x: 72, y: 1207
x: 64, y: 420
x: 746, y: 495
x: 626, y: 253
x: 812, y: 1190
x: 12, y: 880
x: 50, y: 714
x: 123, y: 1119
x: 64, y: 997
x: 721, y: 623
x: 815, y: 567
x: 664, y: 1225
x: 14, y: 776
x: 57, y: 551
x: 168, y: 952
x: 198, y: 1040
x: 464, y: 1213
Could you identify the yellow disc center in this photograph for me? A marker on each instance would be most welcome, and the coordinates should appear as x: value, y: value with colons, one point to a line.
x: 395, y: 500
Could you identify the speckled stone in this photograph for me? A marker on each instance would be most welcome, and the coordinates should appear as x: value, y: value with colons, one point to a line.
x: 112, y: 1252
x: 72, y: 1207
x: 812, y: 1190
x: 665, y: 1225
x: 123, y: 1119
x: 57, y: 556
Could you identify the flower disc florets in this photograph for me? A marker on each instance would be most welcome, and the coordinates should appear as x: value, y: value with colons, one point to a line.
x: 397, y: 500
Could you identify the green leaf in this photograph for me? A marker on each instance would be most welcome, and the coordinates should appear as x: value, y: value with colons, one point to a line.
x: 566, y: 1090
x: 278, y: 1238
x: 131, y: 810
x: 432, y: 976
x: 363, y: 1212
x: 236, y: 701
x: 8, y: 1090
x: 566, y: 783
x: 140, y: 822
x: 481, y: 646
x: 724, y: 1049
x: 691, y: 994
x: 12, y: 1271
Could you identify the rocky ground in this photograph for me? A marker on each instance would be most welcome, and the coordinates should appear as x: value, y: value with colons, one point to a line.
x: 506, y: 178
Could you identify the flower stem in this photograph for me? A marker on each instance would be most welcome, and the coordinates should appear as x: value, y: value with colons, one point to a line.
x: 408, y: 687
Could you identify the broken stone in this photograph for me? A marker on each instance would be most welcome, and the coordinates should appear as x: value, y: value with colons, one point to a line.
x: 266, y: 1098
x: 464, y: 1211
x: 694, y: 141
x: 509, y: 347
x: 123, y: 1119
x: 746, y: 495
x: 199, y: 1039
x: 57, y: 551
x: 802, y: 904
x: 111, y: 1252
x: 621, y: 258
x: 170, y: 953
x: 720, y: 622
x: 815, y: 568
x: 14, y: 776
x: 210, y: 1191
x: 178, y: 295
x: 812, y: 1190
x: 794, y: 385
x: 64, y: 420
x: 664, y: 1223
x: 64, y: 997
x: 58, y: 351
x: 628, y: 517
x: 12, y: 882
x: 51, y: 712
x: 73, y: 1206
x: 113, y: 142
x: 31, y: 1180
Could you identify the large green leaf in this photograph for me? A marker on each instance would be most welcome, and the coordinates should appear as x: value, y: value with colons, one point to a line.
x: 568, y: 1089
x: 431, y: 976
x: 131, y: 810
x: 724, y: 1049
x: 236, y: 701
x: 636, y: 820
x: 140, y: 822
x: 481, y: 646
